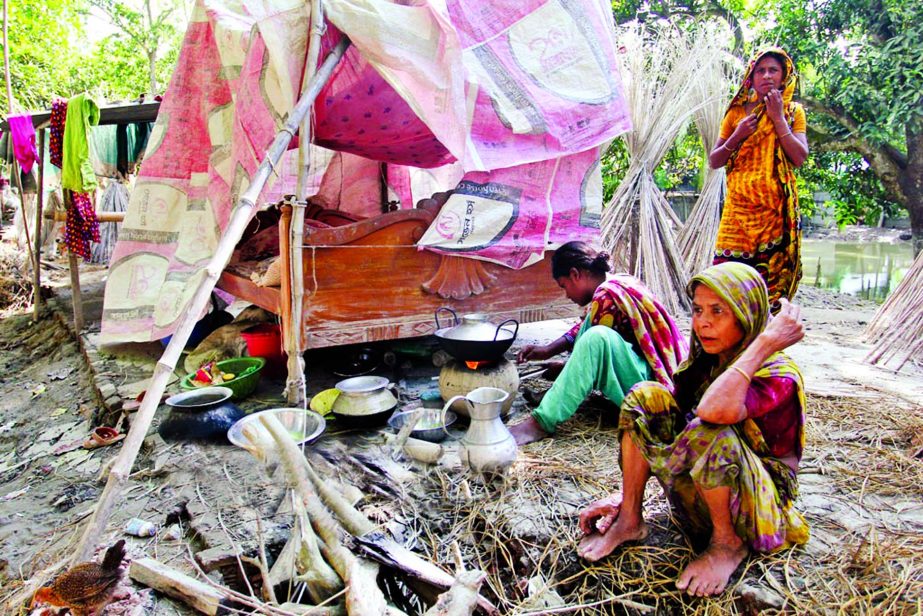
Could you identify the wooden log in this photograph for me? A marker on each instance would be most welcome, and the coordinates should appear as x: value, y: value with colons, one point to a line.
x: 240, y: 218
x: 197, y: 595
x: 388, y: 552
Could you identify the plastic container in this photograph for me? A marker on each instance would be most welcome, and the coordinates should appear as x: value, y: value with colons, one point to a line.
x: 242, y: 385
x: 265, y: 340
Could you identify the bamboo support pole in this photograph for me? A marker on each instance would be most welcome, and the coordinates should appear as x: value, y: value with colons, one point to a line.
x: 74, y: 267
x: 16, y: 172
x: 240, y: 218
x: 101, y: 216
x: 291, y: 322
x: 39, y: 208
x: 295, y: 386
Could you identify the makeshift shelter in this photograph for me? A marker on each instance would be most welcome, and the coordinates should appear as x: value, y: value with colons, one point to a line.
x: 517, y: 98
x: 661, y: 66
x: 520, y: 94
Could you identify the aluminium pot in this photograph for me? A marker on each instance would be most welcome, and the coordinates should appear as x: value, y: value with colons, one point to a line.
x: 474, y: 338
x: 364, y: 401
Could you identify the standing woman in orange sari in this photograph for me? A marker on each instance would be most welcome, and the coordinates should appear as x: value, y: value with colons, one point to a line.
x: 762, y: 140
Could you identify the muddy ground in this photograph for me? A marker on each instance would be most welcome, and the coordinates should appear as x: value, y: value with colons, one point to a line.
x: 860, y: 481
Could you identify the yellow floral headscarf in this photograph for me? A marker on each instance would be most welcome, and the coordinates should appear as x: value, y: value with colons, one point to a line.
x: 746, y: 94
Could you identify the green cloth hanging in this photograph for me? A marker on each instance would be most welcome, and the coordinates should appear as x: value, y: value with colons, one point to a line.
x: 77, y: 169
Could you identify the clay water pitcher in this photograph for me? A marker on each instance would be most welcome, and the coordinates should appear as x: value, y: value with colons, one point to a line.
x: 488, y: 446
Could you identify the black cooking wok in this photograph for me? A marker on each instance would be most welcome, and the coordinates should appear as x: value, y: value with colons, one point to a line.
x: 475, y: 338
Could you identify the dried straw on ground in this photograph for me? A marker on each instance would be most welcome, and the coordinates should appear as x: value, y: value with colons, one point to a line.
x: 660, y: 67
x: 859, y: 486
x: 696, y: 240
x: 897, y: 329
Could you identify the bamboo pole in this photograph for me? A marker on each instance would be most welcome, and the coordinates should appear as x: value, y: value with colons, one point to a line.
x: 101, y: 216
x: 15, y: 166
x: 74, y: 267
x: 39, y: 208
x: 6, y: 60
x: 295, y: 385
x: 9, y: 89
x: 240, y: 218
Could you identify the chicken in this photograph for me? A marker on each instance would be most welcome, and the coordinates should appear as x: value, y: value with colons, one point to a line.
x: 85, y: 588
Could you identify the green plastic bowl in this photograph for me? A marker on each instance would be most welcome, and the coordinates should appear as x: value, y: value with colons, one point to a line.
x: 247, y: 370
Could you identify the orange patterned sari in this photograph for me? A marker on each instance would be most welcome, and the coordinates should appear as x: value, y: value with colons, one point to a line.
x: 761, y: 220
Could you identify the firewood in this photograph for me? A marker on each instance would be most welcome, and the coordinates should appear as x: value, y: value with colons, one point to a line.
x: 363, y: 597
x: 462, y: 598
x: 201, y: 597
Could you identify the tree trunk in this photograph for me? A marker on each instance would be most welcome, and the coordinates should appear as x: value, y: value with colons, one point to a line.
x: 911, y: 180
x: 913, y: 187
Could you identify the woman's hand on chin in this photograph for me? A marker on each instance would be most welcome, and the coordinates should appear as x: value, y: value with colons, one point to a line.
x: 784, y: 329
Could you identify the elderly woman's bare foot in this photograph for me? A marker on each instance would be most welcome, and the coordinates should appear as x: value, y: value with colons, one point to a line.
x: 599, y: 545
x: 708, y: 574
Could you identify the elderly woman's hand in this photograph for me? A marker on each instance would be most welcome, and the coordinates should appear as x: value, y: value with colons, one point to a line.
x: 784, y: 329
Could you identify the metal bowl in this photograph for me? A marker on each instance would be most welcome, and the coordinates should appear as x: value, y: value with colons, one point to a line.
x: 433, y: 435
x: 304, y: 426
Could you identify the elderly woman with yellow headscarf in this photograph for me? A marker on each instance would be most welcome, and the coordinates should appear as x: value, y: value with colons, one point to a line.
x: 762, y: 139
x: 726, y: 446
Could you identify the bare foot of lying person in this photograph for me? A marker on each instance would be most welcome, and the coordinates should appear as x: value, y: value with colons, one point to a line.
x: 598, y: 545
x: 528, y: 431
x: 708, y: 574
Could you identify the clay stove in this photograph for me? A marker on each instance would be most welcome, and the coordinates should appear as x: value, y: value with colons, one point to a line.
x: 457, y: 378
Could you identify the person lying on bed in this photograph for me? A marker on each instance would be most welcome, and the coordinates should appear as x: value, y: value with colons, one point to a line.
x: 725, y: 446
x: 626, y: 337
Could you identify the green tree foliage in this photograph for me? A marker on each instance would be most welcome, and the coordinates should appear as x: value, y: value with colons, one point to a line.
x: 43, y: 52
x: 856, y: 193
x: 50, y: 54
x: 146, y: 28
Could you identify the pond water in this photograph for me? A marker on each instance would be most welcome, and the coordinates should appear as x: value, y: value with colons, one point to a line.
x: 867, y: 269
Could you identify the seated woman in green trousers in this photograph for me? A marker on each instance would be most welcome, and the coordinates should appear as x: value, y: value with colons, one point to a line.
x: 626, y: 337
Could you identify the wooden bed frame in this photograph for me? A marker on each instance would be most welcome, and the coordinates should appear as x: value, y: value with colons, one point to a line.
x: 367, y: 281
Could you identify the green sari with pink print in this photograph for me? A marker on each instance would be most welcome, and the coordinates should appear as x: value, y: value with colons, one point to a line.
x: 683, y: 451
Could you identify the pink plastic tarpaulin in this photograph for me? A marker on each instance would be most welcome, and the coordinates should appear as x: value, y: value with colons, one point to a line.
x: 517, y: 96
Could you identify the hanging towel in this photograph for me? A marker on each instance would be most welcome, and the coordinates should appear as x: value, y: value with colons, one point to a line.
x: 56, y: 142
x: 23, y: 133
x: 77, y: 172
x: 114, y: 199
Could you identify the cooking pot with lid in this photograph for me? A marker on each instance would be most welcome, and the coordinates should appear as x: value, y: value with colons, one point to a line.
x: 474, y: 337
x: 364, y: 400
